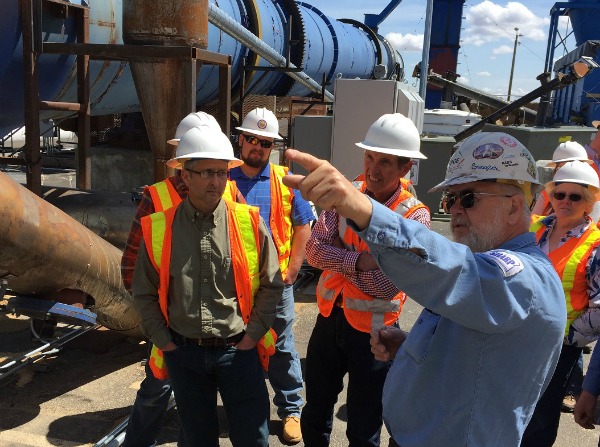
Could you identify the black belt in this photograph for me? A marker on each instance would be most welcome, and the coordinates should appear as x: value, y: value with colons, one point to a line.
x: 212, y: 342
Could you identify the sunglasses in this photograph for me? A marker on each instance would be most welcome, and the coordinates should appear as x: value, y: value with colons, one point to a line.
x: 572, y: 197
x: 465, y: 198
x: 254, y: 141
x: 210, y: 173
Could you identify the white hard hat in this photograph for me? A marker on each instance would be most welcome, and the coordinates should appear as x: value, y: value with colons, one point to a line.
x: 194, y: 120
x: 204, y: 142
x: 576, y: 172
x: 262, y: 123
x: 490, y: 156
x: 569, y: 151
x: 393, y: 134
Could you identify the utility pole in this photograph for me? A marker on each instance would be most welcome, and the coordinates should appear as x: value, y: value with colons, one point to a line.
x: 512, y: 67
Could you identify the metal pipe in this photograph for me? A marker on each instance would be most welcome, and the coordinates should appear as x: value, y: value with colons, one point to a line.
x: 45, y: 251
x: 473, y: 93
x: 226, y: 24
x: 559, y: 82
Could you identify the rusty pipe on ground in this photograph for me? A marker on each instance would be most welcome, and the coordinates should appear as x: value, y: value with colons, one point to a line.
x: 43, y: 251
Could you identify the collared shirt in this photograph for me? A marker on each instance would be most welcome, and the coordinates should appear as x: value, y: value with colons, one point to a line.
x: 321, y: 253
x: 202, y: 290
x: 145, y: 208
x: 486, y: 344
x: 257, y: 192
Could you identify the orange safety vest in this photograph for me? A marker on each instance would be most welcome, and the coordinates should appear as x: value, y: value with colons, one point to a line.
x: 280, y: 220
x: 165, y: 196
x: 244, y: 242
x: 363, y: 311
x: 570, y: 261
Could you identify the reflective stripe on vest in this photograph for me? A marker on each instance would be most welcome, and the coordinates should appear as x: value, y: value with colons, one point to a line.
x: 281, y: 216
x: 243, y: 221
x: 232, y: 193
x: 362, y: 311
x: 164, y: 195
x: 570, y: 261
x: 536, y: 225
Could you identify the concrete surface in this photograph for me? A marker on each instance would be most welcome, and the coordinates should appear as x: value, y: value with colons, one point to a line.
x: 78, y: 396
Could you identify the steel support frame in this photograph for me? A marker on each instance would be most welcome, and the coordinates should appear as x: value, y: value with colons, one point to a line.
x: 31, y: 15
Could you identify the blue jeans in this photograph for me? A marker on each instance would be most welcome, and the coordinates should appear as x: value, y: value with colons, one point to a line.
x: 198, y: 372
x: 334, y: 349
x: 576, y: 379
x: 148, y: 411
x: 285, y: 372
x: 543, y: 426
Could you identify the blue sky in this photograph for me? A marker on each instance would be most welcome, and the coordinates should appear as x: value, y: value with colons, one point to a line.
x: 487, y: 36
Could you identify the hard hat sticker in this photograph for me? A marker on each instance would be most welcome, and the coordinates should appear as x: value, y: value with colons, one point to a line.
x: 532, y: 170
x: 488, y: 150
x: 262, y: 124
x: 507, y: 141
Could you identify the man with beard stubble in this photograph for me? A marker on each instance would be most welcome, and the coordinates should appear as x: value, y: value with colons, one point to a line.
x: 288, y: 217
x: 485, y: 346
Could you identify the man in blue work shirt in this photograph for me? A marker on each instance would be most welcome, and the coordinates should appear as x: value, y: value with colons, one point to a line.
x: 484, y: 348
x: 288, y: 217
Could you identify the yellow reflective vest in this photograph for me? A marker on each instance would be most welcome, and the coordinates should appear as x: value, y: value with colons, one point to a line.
x: 243, y: 221
x: 570, y: 261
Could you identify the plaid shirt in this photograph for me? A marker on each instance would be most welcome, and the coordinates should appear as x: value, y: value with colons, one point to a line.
x: 321, y: 253
x: 145, y: 208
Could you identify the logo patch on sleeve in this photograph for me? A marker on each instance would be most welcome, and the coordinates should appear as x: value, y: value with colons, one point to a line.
x: 509, y: 263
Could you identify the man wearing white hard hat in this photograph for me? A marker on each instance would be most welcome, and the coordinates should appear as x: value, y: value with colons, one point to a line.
x: 482, y: 351
x: 289, y: 217
x: 571, y: 240
x: 354, y: 295
x: 206, y: 284
x: 152, y: 398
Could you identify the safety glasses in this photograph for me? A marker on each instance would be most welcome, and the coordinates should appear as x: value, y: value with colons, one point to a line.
x: 254, y: 141
x: 210, y: 173
x: 465, y: 198
x: 572, y: 197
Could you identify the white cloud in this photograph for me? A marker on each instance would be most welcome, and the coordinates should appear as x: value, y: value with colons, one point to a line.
x: 489, y: 22
x: 484, y: 73
x: 503, y: 49
x: 406, y: 42
x: 463, y: 80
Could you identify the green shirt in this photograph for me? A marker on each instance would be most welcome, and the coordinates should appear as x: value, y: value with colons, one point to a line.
x: 202, y: 293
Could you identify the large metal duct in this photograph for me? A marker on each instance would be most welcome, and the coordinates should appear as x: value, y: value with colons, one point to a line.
x: 45, y: 251
x: 165, y: 87
x: 325, y: 46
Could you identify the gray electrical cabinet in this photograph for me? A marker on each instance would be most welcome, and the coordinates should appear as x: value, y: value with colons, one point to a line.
x: 358, y: 104
x: 311, y: 134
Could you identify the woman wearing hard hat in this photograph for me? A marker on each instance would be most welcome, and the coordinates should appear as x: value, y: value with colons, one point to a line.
x: 564, y: 152
x: 570, y: 238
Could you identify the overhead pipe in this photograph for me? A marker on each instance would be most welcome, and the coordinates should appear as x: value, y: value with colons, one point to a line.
x: 226, y: 24
x: 476, y: 94
x: 337, y: 48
